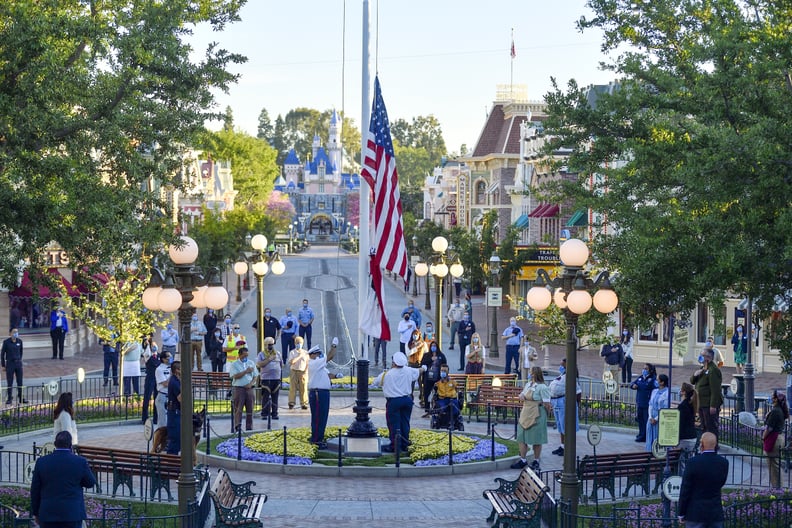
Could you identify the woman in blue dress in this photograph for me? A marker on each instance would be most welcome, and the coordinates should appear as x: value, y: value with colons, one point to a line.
x: 659, y: 400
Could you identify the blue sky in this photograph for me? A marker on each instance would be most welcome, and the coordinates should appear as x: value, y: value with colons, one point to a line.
x: 440, y: 57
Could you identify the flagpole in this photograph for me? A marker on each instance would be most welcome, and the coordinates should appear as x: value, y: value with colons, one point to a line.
x: 365, y: 195
x: 511, y: 73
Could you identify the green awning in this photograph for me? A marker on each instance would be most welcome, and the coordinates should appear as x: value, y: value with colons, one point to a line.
x: 521, y: 222
x: 578, y: 219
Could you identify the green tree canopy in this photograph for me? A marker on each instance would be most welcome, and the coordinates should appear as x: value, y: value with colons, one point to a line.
x: 691, y: 150
x: 99, y: 100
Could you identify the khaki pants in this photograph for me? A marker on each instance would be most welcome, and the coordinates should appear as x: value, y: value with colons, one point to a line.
x: 298, y: 385
x: 615, y: 371
x: 197, y: 348
x: 243, y: 397
x: 774, y: 462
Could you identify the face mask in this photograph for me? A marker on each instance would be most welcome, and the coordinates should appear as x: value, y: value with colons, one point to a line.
x: 644, y: 373
x: 211, y: 312
x: 228, y: 320
x: 217, y: 334
x: 288, y: 314
x: 15, y: 334
x: 625, y: 333
x: 434, y: 348
x: 407, y: 317
x: 701, y: 359
x: 267, y: 313
x: 194, y: 317
x: 153, y: 348
x: 170, y: 327
x: 305, y: 305
x: 475, y: 340
x: 243, y: 360
x: 269, y: 347
x: 562, y: 370
x: 444, y: 375
x: 512, y: 323
x: 466, y: 318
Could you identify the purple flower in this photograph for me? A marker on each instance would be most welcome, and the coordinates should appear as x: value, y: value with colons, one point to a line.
x: 229, y: 449
x: 481, y: 451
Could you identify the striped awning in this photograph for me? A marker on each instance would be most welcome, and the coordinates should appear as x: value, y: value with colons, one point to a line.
x: 544, y: 211
x: 521, y: 222
x: 578, y: 219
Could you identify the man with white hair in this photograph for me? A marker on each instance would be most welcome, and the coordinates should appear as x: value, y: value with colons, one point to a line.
x: 397, y: 383
x: 269, y: 363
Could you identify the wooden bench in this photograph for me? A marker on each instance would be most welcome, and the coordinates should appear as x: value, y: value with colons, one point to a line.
x: 637, y: 468
x: 235, y: 505
x: 124, y: 465
x: 500, y: 399
x: 517, y: 502
x: 209, y: 383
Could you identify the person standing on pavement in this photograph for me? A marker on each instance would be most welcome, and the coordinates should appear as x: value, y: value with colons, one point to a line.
x: 269, y: 364
x: 429, y: 333
x: 63, y: 416
x: 475, y: 355
x: 233, y: 343
x: 289, y: 326
x: 405, y: 329
x: 773, y: 435
x: 417, y: 348
x: 528, y: 355
x: 717, y: 356
x: 272, y: 326
x: 658, y: 400
x: 243, y: 373
x: 468, y: 304
x: 228, y: 327
x: 557, y: 400
x: 170, y: 338
x: 688, y: 408
x: 298, y: 365
x: 627, y: 347
x: 110, y: 353
x: 59, y: 327
x: 740, y: 346
x: 513, y: 335
x: 56, y: 492
x: 215, y: 351
x: 306, y: 318
x: 700, y: 504
x: 708, y: 380
x: 415, y: 313
x: 380, y: 346
x: 197, y: 334
x: 210, y: 322
x: 614, y: 356
x: 532, y: 424
x: 174, y: 410
x: 131, y: 353
x: 11, y: 361
x: 319, y: 391
x: 151, y: 356
x: 162, y: 375
x: 644, y: 385
x: 465, y: 332
x: 397, y: 383
x: 454, y: 317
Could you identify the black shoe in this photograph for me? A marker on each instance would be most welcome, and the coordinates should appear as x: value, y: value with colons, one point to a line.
x: 640, y: 440
x: 304, y: 408
x: 387, y: 449
x: 24, y: 400
x: 519, y: 464
x: 9, y: 402
x: 535, y: 466
x: 559, y: 451
x: 274, y: 417
x: 451, y: 347
x: 321, y: 445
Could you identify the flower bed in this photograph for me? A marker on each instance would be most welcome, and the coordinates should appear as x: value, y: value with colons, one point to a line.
x: 429, y: 448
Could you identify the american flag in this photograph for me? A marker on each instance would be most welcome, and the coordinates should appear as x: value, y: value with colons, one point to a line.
x: 379, y: 170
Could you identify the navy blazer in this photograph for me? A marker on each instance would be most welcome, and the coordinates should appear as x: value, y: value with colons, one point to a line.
x: 700, y: 496
x: 56, y: 493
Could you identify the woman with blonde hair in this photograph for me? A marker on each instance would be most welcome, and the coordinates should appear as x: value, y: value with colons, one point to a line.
x: 64, y: 416
x: 475, y: 355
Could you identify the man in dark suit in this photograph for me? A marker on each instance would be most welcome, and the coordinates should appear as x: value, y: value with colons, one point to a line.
x: 700, y: 496
x: 708, y: 381
x: 56, y: 494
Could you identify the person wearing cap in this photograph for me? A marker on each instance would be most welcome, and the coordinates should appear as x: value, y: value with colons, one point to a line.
x: 513, y: 335
x: 232, y: 343
x: 319, y: 391
x: 289, y: 326
x: 397, y: 383
x: 243, y: 373
x: 708, y: 380
x: 269, y: 364
x: 298, y: 365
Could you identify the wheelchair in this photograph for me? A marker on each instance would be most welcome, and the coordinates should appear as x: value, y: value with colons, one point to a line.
x: 440, y: 418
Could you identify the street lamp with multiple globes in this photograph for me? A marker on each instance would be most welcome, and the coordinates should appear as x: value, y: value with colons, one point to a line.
x: 438, y: 268
x: 571, y: 294
x: 184, y: 289
x: 495, y: 266
x: 260, y: 269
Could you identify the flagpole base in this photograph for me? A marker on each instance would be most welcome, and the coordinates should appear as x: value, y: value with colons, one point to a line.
x: 362, y: 427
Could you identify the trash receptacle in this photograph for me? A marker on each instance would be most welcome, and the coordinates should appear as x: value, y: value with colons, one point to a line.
x: 740, y: 394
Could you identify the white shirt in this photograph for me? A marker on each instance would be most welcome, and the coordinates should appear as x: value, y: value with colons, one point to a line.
x: 406, y: 328
x: 397, y: 381
x: 628, y: 349
x: 239, y: 366
x: 318, y: 376
x: 528, y: 356
x: 162, y: 375
x: 64, y: 422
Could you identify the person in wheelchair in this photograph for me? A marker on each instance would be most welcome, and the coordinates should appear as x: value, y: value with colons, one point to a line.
x: 445, y: 403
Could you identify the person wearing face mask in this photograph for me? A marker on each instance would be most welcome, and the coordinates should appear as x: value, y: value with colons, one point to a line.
x: 658, y: 400
x: 454, y: 317
x: 233, y: 343
x: 169, y: 338
x: 197, y: 334
x: 227, y: 327
x: 465, y: 332
x: 59, y: 326
x: 740, y: 346
x: 406, y: 329
x: 475, y: 354
x: 773, y: 435
x: 627, y: 347
x: 429, y: 333
x: 130, y: 369
x: 298, y: 365
x: 306, y: 318
x: 289, y: 326
x: 532, y: 424
x: 513, y: 335
x: 708, y: 380
x: 644, y: 385
x: 319, y: 391
x: 557, y: 400
x: 210, y: 322
x: 174, y: 410
x: 215, y: 350
x: 447, y: 396
x: 528, y: 355
x: 269, y: 363
x: 110, y: 352
x: 432, y: 360
x: 416, y: 350
x: 614, y: 356
x: 161, y: 375
x: 11, y: 361
x: 716, y: 354
x: 243, y: 373
x: 272, y: 326
x: 151, y: 355
x: 415, y: 313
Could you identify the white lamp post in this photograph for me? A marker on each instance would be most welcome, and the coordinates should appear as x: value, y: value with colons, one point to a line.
x: 439, y: 270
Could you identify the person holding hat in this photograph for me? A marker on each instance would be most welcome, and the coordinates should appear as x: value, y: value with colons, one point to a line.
x: 773, y: 435
x: 298, y: 363
x: 288, y: 324
x: 319, y: 391
x: 268, y: 362
x: 708, y: 380
x: 243, y: 373
x: 397, y: 383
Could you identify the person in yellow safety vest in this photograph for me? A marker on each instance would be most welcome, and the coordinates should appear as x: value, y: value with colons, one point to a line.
x: 232, y: 344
